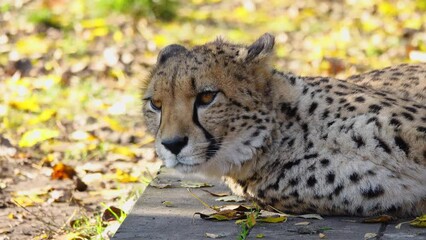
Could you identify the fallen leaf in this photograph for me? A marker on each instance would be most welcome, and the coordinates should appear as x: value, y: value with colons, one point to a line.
x: 419, y: 222
x: 112, y: 214
x: 224, y: 215
x: 28, y: 104
x: 27, y: 201
x: 241, y: 208
x: 325, y: 228
x: 302, y: 223
x: 125, y: 151
x: 379, y: 219
x: 5, y: 230
x: 370, y: 236
x: 195, y: 185
x: 32, y: 137
x: 32, y: 45
x: 260, y: 235
x: 232, y: 198
x: 62, y: 171
x: 310, y: 216
x: 321, y: 235
x: 272, y: 218
x: 222, y: 194
x: 80, y: 185
x: 214, y: 235
x: 252, y: 219
x: 44, y: 116
x: 167, y: 203
x: 124, y: 177
x: 157, y: 184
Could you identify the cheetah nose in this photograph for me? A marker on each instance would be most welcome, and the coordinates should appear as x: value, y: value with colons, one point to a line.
x: 176, y: 144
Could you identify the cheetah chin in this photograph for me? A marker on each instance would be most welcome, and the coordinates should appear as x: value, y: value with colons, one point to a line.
x: 297, y: 144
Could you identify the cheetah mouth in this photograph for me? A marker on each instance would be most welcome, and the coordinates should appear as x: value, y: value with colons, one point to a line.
x: 187, y: 168
x: 180, y: 162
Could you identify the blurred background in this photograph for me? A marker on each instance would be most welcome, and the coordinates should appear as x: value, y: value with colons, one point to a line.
x: 72, y: 144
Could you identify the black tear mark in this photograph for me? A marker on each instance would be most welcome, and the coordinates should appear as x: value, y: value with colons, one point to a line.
x: 214, y: 144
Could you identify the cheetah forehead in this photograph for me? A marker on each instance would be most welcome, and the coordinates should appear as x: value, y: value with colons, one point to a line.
x: 214, y: 63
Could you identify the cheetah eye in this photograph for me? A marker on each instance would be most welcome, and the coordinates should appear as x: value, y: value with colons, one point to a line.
x: 155, y: 104
x: 206, y: 98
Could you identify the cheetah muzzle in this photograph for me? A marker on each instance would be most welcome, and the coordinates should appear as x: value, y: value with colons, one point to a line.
x: 298, y: 144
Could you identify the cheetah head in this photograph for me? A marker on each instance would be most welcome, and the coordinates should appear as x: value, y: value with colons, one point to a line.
x: 209, y: 107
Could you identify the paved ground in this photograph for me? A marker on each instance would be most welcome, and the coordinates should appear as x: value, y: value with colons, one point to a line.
x: 151, y: 219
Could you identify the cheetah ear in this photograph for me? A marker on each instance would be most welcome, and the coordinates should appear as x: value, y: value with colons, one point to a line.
x: 261, y: 48
x: 169, y: 51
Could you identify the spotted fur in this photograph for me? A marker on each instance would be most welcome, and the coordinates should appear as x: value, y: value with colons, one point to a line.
x: 298, y: 144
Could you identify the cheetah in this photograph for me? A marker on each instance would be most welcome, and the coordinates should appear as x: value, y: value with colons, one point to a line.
x: 297, y: 144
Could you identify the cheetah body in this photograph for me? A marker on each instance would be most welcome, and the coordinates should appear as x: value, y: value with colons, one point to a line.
x: 297, y: 144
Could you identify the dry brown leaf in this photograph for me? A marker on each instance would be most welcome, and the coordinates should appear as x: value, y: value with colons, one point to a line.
x: 272, y: 218
x: 379, y: 219
x: 221, y: 194
x: 224, y: 215
x: 80, y: 185
x: 195, y: 185
x: 112, y: 213
x: 161, y: 185
x: 232, y: 198
x: 62, y: 171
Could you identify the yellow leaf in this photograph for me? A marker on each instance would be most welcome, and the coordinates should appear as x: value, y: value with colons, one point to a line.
x: 93, y: 23
x: 29, y: 104
x: 42, y: 236
x: 146, y: 140
x: 32, y: 137
x: 44, y: 116
x: 27, y: 201
x: 419, y: 222
x: 32, y: 45
x: 11, y: 216
x: 125, y: 151
x: 124, y: 177
x: 272, y: 219
x: 260, y: 235
x: 160, y: 40
x: 114, y: 124
x: 167, y: 203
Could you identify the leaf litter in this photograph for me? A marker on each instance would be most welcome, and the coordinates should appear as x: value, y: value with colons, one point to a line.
x: 64, y: 79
